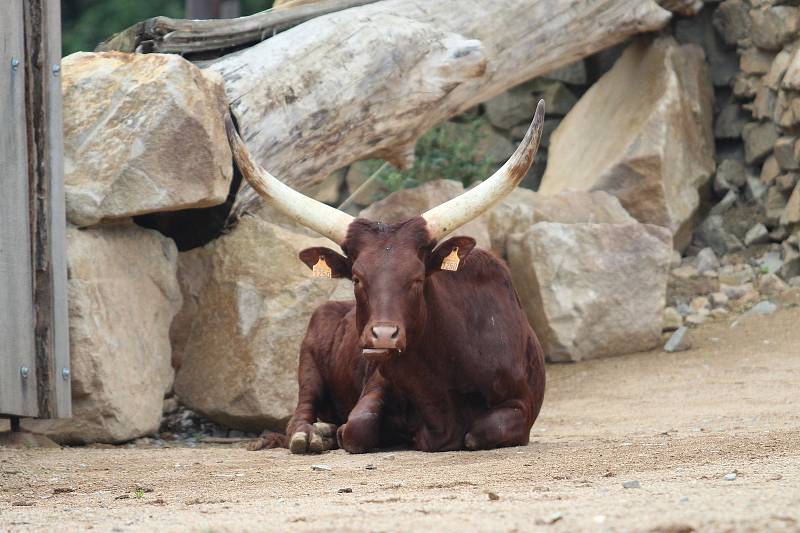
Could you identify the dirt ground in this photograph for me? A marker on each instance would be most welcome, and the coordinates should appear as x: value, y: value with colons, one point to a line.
x: 675, y: 424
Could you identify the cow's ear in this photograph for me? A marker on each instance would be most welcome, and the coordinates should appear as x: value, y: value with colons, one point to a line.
x: 326, y: 263
x: 450, y: 254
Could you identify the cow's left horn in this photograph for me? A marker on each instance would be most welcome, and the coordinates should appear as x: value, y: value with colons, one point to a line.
x: 445, y: 218
x: 320, y: 217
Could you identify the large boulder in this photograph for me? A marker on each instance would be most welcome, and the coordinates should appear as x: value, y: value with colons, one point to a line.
x: 409, y: 203
x: 123, y: 295
x: 523, y: 208
x: 247, y: 302
x: 142, y: 133
x: 592, y: 290
x: 643, y: 133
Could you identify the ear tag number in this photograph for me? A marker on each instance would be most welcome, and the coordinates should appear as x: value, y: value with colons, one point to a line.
x: 451, y: 261
x: 321, y: 269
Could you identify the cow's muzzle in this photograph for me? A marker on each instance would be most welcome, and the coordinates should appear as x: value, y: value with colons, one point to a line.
x: 382, y: 340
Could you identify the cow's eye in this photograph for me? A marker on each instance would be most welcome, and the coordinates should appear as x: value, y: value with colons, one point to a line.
x: 356, y: 281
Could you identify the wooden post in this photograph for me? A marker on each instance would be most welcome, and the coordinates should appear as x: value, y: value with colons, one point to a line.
x: 34, y: 352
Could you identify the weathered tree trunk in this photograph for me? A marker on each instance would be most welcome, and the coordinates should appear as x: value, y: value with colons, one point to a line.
x: 368, y: 81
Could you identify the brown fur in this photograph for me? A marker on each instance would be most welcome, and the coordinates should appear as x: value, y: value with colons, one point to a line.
x: 470, y: 373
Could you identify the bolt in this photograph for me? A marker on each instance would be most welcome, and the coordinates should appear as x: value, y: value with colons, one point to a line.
x: 23, y: 371
x: 56, y: 69
x: 65, y: 373
x: 14, y: 63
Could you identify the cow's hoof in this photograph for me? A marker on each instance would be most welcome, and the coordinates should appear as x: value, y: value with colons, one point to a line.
x: 299, y: 442
x: 315, y: 443
x: 257, y: 444
x: 325, y: 429
x: 470, y: 442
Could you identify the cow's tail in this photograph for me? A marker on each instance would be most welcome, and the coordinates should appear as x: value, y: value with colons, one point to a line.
x: 267, y: 441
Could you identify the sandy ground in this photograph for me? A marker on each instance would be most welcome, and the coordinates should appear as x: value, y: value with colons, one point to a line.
x: 675, y: 423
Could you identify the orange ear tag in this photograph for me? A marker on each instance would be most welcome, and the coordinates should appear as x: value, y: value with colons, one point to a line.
x: 321, y: 269
x: 451, y: 261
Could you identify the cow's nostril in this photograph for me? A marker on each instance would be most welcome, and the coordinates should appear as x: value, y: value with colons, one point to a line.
x: 385, y: 332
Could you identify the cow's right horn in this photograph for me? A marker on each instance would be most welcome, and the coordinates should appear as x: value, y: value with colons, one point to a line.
x: 445, y: 218
x: 322, y: 218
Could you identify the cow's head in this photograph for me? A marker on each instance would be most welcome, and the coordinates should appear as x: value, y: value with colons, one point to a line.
x: 390, y: 264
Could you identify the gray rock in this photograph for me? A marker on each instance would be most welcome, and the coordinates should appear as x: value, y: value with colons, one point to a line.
x: 762, y: 308
x: 730, y: 175
x: 567, y: 273
x: 763, y: 107
x: 511, y: 107
x: 723, y: 63
x: 755, y: 189
x: 633, y: 484
x: 730, y: 121
x: 560, y: 99
x: 667, y: 123
x: 777, y: 70
x: 787, y: 182
x: 712, y: 232
x: 770, y: 170
x: 756, y: 61
x: 759, y: 138
x: 732, y: 21
x: 123, y: 295
x: 143, y: 133
x: 730, y: 477
x: 573, y: 74
x: 706, y: 260
x: 770, y: 262
x: 678, y: 342
x: 791, y: 215
x: 522, y: 208
x: 774, y: 26
x: 794, y: 282
x: 728, y: 201
x: 774, y: 205
x: 786, y: 153
x: 771, y: 285
x: 758, y: 234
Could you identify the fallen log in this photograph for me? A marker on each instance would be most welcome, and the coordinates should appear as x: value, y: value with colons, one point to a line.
x: 368, y: 81
x: 187, y: 37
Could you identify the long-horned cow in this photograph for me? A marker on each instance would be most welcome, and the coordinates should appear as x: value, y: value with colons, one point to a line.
x: 435, y: 352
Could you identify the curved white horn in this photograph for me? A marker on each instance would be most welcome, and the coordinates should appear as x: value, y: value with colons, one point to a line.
x: 320, y: 217
x: 445, y: 218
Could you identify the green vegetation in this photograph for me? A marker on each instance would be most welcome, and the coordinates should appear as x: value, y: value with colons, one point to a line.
x: 85, y: 23
x: 440, y: 155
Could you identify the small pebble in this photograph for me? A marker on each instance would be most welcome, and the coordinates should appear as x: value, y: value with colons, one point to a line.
x: 678, y: 342
x: 371, y: 467
x: 321, y: 468
x: 345, y: 490
x: 633, y: 484
x: 730, y: 477
x: 492, y: 496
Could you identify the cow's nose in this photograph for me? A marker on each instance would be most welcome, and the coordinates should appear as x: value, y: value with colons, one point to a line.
x: 385, y: 333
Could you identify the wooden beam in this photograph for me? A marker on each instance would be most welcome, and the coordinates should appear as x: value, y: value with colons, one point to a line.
x: 17, y: 363
x: 46, y: 200
x: 168, y: 35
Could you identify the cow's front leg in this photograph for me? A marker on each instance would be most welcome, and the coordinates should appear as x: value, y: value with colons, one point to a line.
x: 306, y: 435
x: 361, y: 433
x: 505, y: 425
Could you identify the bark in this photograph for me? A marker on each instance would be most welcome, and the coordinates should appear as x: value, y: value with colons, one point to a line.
x: 211, y: 37
x: 368, y: 81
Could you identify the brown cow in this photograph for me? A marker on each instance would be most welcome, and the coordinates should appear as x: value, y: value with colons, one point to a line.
x: 435, y: 351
